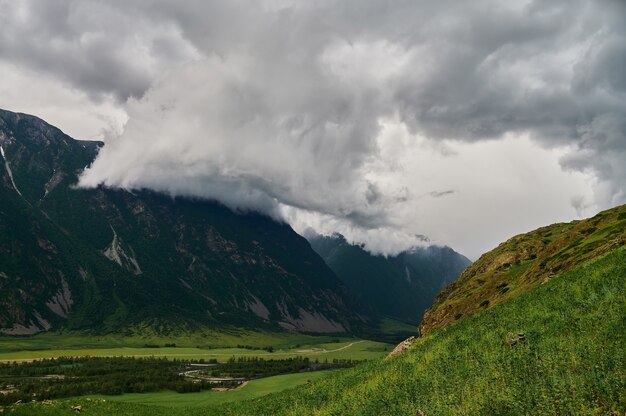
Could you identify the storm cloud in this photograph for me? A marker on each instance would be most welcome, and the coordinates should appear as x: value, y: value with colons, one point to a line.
x: 281, y: 106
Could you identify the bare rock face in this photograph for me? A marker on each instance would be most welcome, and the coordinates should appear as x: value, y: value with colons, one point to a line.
x: 402, y: 347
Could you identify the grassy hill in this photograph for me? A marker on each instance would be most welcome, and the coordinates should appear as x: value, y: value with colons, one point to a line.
x: 571, y: 361
x: 525, y: 262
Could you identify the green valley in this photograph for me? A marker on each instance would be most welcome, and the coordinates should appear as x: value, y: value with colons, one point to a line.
x: 556, y: 348
x: 138, y: 303
x: 322, y: 348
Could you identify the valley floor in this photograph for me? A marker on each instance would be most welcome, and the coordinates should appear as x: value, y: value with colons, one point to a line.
x: 251, y: 390
x: 322, y: 349
x: 341, y: 348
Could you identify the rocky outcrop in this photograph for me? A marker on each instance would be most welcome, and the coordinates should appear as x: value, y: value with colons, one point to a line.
x: 61, y: 303
x: 7, y: 167
x: 402, y: 347
x: 124, y: 257
x: 38, y: 324
x: 311, y: 322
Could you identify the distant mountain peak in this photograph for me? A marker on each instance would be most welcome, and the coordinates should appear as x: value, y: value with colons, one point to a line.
x: 400, y: 286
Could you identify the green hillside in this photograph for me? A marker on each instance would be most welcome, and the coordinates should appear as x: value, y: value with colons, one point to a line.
x: 524, y: 262
x: 401, y: 286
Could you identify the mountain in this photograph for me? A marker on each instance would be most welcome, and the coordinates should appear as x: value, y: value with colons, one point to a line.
x: 399, y: 287
x: 111, y: 260
x: 525, y: 262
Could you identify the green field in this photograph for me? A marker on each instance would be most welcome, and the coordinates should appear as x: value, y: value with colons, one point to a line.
x: 354, y: 349
x: 169, y: 402
x: 253, y: 389
x: 143, y: 336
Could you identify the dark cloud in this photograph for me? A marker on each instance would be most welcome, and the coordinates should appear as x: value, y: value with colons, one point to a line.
x: 98, y: 47
x: 278, y: 102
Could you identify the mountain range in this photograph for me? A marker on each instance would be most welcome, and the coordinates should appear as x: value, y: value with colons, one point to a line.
x: 114, y: 260
x: 110, y: 260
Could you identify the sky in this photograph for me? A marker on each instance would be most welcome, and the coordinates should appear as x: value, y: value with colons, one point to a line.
x: 391, y: 122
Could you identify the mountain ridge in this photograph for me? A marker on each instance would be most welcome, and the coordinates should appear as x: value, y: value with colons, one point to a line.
x: 401, y: 286
x: 111, y: 259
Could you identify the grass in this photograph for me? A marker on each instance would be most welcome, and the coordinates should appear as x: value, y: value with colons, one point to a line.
x: 344, y: 349
x: 572, y: 362
x: 143, y: 336
x: 253, y: 389
x: 525, y: 262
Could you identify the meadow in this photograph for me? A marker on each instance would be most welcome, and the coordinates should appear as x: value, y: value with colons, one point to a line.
x: 141, y: 336
x: 252, y: 389
x: 168, y: 402
x: 326, y: 348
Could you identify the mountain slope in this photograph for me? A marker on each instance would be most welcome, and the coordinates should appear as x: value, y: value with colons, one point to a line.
x: 524, y: 262
x: 401, y: 286
x: 110, y: 259
x: 557, y: 348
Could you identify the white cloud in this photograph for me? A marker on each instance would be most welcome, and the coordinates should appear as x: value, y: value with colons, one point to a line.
x: 72, y: 110
x: 471, y: 197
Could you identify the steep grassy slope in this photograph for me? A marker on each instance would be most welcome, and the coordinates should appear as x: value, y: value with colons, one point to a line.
x: 573, y: 362
x: 400, y: 287
x: 524, y: 262
x: 112, y: 260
